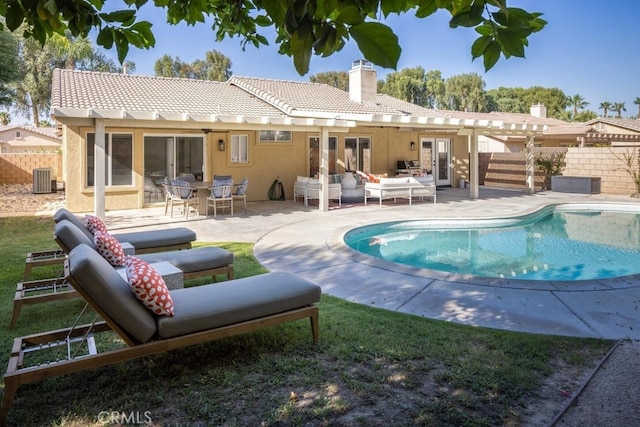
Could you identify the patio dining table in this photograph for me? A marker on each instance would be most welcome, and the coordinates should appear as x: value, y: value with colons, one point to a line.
x: 202, y: 188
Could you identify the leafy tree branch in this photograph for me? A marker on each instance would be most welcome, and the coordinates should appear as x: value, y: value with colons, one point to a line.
x: 303, y: 27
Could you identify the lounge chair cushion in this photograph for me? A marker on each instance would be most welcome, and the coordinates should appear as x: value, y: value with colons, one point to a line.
x: 148, y: 286
x: 157, y: 238
x: 140, y: 240
x: 109, y: 247
x: 189, y: 260
x: 205, y: 307
x: 93, y: 224
x: 192, y: 260
x: 111, y: 292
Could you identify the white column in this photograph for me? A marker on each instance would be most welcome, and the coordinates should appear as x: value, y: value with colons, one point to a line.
x: 474, y: 190
x: 99, y: 171
x: 324, y: 170
x: 529, y: 165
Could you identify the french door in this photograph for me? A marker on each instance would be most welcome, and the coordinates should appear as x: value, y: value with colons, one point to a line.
x: 435, y: 159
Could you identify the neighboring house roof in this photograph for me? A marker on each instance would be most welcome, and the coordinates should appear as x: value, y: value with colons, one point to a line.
x: 31, y: 136
x: 630, y: 124
x: 49, y: 132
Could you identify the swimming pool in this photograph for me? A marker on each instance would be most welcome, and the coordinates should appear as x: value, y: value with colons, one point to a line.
x: 557, y: 243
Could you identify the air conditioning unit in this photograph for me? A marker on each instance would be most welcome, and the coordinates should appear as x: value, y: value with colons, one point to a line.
x: 42, y: 182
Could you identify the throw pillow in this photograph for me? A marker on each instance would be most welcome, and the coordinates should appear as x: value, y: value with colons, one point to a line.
x: 109, y: 247
x: 221, y: 188
x: 148, y: 286
x: 94, y: 223
x: 242, y: 187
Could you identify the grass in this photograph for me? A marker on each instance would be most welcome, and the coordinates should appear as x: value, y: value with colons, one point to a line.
x: 371, y: 367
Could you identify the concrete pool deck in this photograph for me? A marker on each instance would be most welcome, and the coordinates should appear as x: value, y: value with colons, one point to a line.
x: 291, y: 237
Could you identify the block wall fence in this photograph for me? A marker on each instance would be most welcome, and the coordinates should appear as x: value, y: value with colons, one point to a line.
x: 507, y: 170
x: 17, y: 168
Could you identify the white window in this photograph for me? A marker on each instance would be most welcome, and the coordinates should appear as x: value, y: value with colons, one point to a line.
x: 239, y: 148
x: 275, y: 135
x: 118, y: 159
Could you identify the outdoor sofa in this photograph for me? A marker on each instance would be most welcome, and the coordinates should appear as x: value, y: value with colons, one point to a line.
x: 200, y: 314
x: 401, y: 188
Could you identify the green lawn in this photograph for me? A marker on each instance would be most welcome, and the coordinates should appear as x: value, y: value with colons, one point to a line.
x: 371, y: 367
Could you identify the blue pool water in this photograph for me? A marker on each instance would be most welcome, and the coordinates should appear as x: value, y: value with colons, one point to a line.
x: 556, y: 243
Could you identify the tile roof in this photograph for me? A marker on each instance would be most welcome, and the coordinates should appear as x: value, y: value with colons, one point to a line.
x: 293, y: 96
x: 631, y: 124
x: 49, y: 132
x: 73, y: 89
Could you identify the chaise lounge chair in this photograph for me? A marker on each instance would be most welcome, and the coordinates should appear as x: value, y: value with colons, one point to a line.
x: 198, y: 262
x: 142, y: 241
x: 201, y: 314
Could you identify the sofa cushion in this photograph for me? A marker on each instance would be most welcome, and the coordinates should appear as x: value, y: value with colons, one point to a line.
x: 148, y: 286
x: 302, y: 179
x: 109, y: 247
x: 102, y: 283
x: 206, y: 307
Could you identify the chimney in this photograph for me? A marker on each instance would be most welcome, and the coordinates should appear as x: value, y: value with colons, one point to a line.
x: 125, y: 68
x: 363, y: 83
x: 539, y: 110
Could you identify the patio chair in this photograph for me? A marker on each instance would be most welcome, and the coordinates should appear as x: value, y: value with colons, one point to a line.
x: 201, y: 314
x: 241, y: 192
x: 151, y: 190
x: 220, y: 196
x: 182, y: 194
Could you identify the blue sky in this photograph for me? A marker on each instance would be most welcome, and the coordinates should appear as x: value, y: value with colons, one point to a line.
x: 589, y: 47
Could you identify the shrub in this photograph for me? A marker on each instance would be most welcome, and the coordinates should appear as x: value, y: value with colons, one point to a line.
x: 550, y: 166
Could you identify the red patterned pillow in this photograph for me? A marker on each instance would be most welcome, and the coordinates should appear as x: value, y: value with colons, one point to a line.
x: 148, y: 286
x: 109, y: 247
x: 94, y: 224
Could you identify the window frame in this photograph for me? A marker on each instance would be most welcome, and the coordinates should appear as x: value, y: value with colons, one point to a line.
x: 108, y: 158
x: 274, y: 136
x: 239, y: 145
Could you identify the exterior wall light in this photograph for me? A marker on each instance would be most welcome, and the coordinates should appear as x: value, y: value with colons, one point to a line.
x: 412, y: 145
x: 221, y: 145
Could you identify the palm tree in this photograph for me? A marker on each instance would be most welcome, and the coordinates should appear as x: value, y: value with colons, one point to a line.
x: 637, y: 102
x: 605, y: 106
x: 577, y: 102
x: 619, y: 108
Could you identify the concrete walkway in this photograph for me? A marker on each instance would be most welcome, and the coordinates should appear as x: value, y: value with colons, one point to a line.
x: 291, y: 237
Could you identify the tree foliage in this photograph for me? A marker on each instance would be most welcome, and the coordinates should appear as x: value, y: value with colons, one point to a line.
x: 215, y: 67
x: 577, y: 102
x: 339, y: 79
x: 9, y: 70
x: 520, y: 100
x: 465, y: 92
x: 303, y: 27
